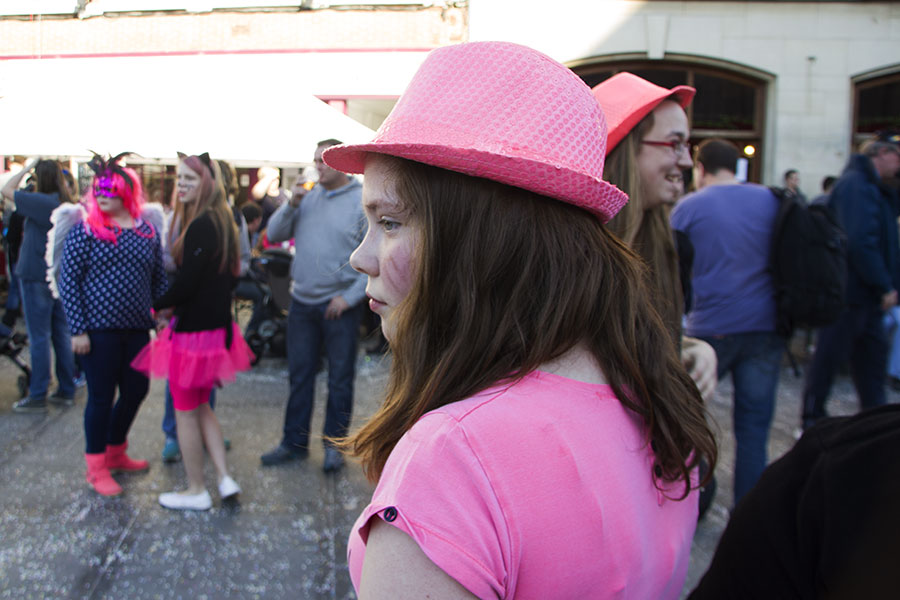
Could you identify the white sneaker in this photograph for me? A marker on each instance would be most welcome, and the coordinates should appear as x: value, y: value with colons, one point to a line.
x: 180, y: 501
x: 228, y: 488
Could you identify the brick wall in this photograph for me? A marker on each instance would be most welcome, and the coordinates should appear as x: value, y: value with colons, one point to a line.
x: 234, y: 31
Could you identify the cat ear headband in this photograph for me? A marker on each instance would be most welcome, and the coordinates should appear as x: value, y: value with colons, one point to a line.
x: 204, y: 158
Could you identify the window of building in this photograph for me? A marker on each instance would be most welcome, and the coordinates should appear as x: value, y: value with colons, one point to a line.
x: 875, y: 106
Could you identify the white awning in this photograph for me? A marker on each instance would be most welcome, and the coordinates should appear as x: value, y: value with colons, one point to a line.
x: 248, y: 109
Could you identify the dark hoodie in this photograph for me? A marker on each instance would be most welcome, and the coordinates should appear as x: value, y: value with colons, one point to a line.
x: 868, y: 209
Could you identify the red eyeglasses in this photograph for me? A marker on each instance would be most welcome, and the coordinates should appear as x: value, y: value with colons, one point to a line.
x: 677, y: 146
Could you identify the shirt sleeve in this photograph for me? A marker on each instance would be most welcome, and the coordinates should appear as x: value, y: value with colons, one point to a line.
x: 435, y: 489
x: 860, y: 213
x: 168, y: 235
x: 159, y: 283
x: 72, y: 275
x: 280, y: 227
x: 199, y: 251
x: 36, y: 206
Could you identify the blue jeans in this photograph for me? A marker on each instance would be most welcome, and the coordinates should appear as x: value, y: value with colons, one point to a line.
x: 754, y: 361
x: 858, y: 336
x: 13, y: 301
x: 892, y: 330
x: 46, y: 325
x: 308, y: 331
x: 168, y: 422
x: 107, y: 367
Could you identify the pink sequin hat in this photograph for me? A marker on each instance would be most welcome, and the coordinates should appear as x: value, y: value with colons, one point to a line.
x: 503, y: 112
x: 626, y: 99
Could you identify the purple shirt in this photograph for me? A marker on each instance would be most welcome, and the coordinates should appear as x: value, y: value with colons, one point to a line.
x: 730, y: 227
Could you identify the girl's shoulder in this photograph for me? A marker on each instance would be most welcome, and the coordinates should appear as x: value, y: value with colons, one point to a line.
x: 147, y: 230
x: 204, y: 219
x: 201, y: 224
x: 77, y: 232
x: 154, y: 214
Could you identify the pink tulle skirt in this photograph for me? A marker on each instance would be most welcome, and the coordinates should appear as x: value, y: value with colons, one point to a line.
x: 194, y: 359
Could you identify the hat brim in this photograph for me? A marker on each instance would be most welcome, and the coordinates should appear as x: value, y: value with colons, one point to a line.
x: 592, y: 194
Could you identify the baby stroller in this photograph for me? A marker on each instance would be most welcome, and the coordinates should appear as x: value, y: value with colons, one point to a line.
x: 271, y: 272
x: 11, y: 345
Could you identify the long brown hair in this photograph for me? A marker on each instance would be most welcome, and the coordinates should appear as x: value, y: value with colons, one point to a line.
x: 49, y: 179
x: 523, y: 279
x: 211, y: 200
x: 647, y: 232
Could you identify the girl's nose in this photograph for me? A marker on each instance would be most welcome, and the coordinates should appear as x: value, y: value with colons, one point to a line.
x: 363, y: 259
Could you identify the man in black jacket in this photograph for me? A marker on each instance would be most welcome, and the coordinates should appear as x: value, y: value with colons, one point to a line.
x: 865, y: 202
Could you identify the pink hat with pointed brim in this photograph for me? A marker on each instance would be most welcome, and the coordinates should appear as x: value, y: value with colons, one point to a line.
x: 626, y: 99
x: 503, y: 112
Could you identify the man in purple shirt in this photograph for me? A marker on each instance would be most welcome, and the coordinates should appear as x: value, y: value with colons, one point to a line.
x: 730, y: 226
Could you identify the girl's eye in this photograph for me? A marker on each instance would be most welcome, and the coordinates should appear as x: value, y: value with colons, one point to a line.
x: 389, y: 225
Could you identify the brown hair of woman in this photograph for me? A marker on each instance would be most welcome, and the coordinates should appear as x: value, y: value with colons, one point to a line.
x: 211, y: 199
x: 646, y: 231
x: 508, y: 280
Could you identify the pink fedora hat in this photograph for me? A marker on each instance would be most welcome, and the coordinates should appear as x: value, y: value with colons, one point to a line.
x: 503, y: 112
x: 626, y: 99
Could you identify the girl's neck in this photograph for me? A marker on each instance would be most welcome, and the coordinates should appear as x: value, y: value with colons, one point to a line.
x: 577, y: 363
x: 123, y: 220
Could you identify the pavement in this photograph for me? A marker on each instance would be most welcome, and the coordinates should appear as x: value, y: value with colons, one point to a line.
x: 286, y: 535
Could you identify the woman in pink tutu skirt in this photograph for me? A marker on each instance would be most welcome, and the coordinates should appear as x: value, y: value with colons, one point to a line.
x: 201, y: 347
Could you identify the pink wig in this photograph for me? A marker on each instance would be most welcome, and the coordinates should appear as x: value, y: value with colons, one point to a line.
x: 113, y: 184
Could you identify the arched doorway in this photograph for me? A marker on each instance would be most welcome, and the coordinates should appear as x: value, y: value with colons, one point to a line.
x: 728, y: 104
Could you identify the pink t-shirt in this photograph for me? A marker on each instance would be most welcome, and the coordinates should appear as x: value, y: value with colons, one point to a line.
x: 542, y: 489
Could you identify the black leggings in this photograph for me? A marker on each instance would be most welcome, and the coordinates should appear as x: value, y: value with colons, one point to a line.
x: 107, y: 367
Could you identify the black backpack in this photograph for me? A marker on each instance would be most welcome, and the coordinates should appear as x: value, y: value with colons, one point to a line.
x: 808, y: 265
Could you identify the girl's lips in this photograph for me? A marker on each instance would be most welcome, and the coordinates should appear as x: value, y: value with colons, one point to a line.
x: 375, y: 305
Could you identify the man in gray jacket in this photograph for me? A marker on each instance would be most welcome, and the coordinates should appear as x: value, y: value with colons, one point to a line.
x: 327, y: 224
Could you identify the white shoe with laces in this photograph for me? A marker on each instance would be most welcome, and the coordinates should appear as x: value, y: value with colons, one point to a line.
x: 228, y: 488
x: 181, y: 501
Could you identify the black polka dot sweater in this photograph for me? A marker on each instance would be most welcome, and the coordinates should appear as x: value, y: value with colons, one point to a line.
x: 111, y: 286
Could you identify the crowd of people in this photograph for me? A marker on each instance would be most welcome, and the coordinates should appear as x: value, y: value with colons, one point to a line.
x: 558, y: 312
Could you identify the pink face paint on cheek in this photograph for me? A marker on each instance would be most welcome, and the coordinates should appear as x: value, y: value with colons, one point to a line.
x: 397, y: 273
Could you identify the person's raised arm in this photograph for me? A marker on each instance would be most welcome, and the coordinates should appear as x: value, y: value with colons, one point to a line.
x: 12, y: 184
x: 261, y: 188
x: 281, y: 223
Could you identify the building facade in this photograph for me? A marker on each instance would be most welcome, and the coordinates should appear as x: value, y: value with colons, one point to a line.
x: 798, y: 84
x: 795, y: 84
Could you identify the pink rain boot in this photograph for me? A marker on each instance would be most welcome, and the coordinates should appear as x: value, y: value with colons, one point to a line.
x: 98, y: 475
x: 117, y: 460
